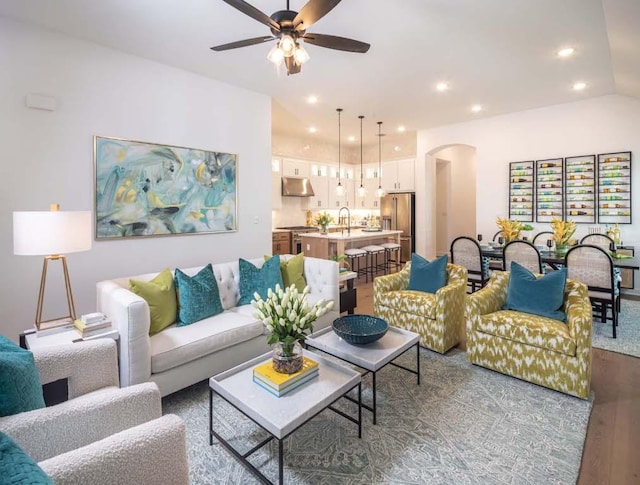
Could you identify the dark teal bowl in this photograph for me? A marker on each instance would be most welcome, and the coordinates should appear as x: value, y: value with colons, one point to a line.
x: 360, y: 329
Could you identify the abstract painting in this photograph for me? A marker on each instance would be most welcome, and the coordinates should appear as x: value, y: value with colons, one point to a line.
x: 146, y: 189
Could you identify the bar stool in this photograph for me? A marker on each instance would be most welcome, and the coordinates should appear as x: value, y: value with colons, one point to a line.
x: 354, y: 255
x: 372, y: 268
x: 391, y: 248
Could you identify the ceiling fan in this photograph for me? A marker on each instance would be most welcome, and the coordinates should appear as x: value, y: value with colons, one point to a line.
x: 289, y: 28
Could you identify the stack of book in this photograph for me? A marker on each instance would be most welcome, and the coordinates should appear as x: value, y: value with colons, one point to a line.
x: 279, y: 384
x: 91, y: 325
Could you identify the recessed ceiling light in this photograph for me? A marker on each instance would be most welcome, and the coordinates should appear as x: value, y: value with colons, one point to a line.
x: 401, y: 129
x: 312, y: 129
x: 442, y: 86
x: 396, y: 148
x: 566, y: 52
x: 352, y: 138
x: 476, y: 108
x: 312, y: 99
x: 579, y: 86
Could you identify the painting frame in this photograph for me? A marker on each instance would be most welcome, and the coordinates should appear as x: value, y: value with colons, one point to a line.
x: 145, y: 189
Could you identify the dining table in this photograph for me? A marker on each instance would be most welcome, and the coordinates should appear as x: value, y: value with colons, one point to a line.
x: 555, y: 260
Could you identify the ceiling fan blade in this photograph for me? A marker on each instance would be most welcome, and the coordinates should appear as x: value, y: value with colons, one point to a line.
x: 313, y: 11
x: 292, y: 66
x: 242, y: 43
x: 254, y: 13
x: 335, y: 42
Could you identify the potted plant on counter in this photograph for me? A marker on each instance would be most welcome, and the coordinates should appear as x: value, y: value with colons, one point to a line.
x: 323, y: 220
x: 288, y: 318
x: 562, y: 233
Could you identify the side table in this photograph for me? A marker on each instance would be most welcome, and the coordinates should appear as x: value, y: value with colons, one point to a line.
x: 348, y: 294
x: 58, y: 391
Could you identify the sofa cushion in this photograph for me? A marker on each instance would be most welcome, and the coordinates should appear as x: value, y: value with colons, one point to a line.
x: 542, y: 296
x: 198, y: 296
x: 427, y: 276
x: 20, y: 387
x: 534, y: 330
x: 160, y: 295
x: 292, y: 271
x: 16, y: 467
x: 410, y: 301
x: 258, y: 280
x: 175, y: 345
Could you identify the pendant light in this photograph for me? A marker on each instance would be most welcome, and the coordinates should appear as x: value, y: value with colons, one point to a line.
x: 340, y: 187
x: 361, y: 189
x: 380, y: 191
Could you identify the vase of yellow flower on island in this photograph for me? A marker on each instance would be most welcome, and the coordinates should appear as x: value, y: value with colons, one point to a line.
x: 323, y: 220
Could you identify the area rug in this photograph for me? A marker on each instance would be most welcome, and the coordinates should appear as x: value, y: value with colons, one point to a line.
x: 463, y: 424
x: 627, y: 340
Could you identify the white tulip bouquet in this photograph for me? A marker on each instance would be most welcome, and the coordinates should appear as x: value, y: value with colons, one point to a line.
x: 287, y: 316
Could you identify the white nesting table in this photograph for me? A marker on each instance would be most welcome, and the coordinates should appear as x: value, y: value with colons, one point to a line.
x: 371, y: 357
x: 281, y: 416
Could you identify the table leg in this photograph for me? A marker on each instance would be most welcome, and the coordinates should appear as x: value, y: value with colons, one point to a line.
x: 360, y: 410
x: 280, y: 463
x: 374, y: 399
x: 210, y: 416
x: 418, y: 360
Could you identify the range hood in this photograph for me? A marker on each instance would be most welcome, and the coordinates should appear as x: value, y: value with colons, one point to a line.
x: 296, y: 187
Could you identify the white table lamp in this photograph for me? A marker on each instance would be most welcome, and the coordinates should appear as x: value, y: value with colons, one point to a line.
x: 52, y: 234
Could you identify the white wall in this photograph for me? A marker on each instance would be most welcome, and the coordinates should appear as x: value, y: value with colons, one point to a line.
x: 48, y: 156
x: 597, y: 125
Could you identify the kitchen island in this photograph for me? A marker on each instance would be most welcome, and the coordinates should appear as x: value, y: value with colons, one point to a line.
x: 324, y: 246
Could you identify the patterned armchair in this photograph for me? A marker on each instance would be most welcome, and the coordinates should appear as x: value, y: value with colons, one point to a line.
x: 438, y: 318
x: 536, y: 349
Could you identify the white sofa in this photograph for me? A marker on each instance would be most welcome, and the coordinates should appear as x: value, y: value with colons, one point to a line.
x: 178, y: 357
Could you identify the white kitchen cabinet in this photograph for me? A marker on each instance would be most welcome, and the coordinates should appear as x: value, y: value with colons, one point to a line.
x: 398, y: 176
x: 321, y: 190
x: 296, y: 168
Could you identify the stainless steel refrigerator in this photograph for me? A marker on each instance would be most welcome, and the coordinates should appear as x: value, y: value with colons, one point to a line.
x: 397, y: 212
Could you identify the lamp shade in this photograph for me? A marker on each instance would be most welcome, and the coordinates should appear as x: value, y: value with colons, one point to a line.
x: 42, y: 233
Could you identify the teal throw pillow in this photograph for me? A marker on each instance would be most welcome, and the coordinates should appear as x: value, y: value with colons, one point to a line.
x: 427, y: 276
x: 16, y: 467
x: 539, y: 296
x: 20, y: 387
x: 253, y: 279
x: 198, y: 296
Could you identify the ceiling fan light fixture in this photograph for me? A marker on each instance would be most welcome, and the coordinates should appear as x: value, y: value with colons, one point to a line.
x: 287, y: 45
x: 301, y: 55
x: 275, y: 55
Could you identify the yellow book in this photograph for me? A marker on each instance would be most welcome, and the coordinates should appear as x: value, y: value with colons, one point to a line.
x: 266, y: 372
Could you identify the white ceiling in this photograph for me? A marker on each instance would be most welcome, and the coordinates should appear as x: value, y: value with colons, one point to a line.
x: 498, y: 53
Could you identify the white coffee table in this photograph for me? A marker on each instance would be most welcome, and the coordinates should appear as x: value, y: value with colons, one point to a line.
x: 281, y: 416
x: 371, y: 357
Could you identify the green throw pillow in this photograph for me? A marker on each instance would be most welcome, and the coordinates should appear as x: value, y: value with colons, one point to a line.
x: 253, y: 279
x: 20, y: 387
x: 16, y: 467
x: 539, y: 296
x: 198, y: 296
x: 292, y: 271
x: 160, y: 294
x: 427, y: 276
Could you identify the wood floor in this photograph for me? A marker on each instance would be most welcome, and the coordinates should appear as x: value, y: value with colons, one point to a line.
x: 611, y: 453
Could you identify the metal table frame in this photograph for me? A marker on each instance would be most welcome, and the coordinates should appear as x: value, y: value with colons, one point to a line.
x: 243, y: 457
x: 373, y: 408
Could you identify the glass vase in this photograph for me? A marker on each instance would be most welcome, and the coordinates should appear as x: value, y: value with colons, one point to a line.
x: 287, y: 357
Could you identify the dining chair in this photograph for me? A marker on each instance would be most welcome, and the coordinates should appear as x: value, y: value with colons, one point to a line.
x: 496, y: 236
x: 541, y: 238
x: 524, y: 253
x: 465, y: 251
x: 608, y: 244
x: 593, y: 266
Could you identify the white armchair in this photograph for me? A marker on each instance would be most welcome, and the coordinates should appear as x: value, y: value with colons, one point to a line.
x: 102, y: 434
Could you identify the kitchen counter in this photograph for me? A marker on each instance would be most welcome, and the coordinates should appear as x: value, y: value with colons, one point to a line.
x: 277, y: 231
x: 327, y: 245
